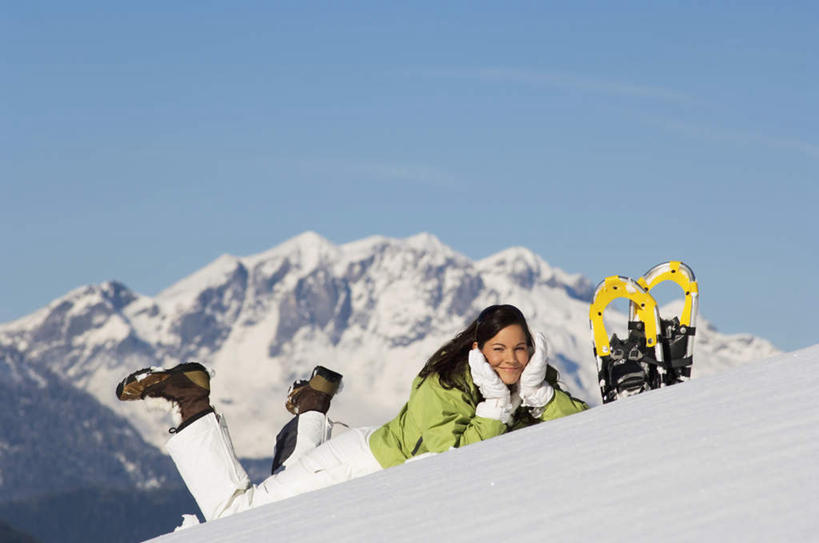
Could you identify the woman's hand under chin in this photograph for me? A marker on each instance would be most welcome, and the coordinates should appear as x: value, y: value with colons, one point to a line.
x: 535, y: 392
x: 497, y: 402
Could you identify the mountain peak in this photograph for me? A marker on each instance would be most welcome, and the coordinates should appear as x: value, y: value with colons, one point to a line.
x: 211, y: 275
x: 309, y: 248
x: 516, y: 255
x: 427, y: 241
x: 309, y: 239
x: 526, y: 268
x: 422, y: 241
x: 519, y: 263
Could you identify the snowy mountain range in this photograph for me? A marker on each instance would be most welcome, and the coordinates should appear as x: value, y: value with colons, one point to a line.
x: 373, y: 309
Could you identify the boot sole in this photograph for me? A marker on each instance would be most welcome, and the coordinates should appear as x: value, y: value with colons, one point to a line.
x: 135, y: 386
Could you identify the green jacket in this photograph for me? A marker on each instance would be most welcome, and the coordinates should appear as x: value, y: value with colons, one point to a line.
x: 436, y: 419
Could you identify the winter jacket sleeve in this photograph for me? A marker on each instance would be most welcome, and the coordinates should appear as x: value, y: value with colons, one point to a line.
x: 446, y: 418
x: 434, y: 419
x: 561, y: 405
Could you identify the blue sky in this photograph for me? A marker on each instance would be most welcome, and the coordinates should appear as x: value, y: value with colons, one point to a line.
x: 140, y: 141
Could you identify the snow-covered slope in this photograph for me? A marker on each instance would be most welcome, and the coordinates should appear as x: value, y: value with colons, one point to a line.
x: 730, y: 457
x: 373, y: 309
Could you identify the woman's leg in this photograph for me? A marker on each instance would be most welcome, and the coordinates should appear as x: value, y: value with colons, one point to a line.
x: 302, y: 434
x: 204, y: 455
x: 339, y: 459
x: 309, y: 401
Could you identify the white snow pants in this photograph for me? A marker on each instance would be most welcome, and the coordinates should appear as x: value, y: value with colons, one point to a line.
x: 203, y: 454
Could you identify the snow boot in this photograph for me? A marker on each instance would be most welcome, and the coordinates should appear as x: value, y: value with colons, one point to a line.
x: 315, y: 394
x: 187, y: 386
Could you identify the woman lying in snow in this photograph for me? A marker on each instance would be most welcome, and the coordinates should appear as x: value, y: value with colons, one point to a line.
x: 491, y: 378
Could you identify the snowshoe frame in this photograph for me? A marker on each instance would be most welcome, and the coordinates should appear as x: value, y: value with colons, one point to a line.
x: 644, y: 336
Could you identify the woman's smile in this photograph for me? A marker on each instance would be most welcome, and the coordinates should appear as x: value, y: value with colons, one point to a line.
x: 508, y: 353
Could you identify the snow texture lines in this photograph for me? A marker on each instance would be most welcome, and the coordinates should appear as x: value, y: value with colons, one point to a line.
x: 725, y: 457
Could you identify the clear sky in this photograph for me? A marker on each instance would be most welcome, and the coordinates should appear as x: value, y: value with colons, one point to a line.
x: 141, y: 140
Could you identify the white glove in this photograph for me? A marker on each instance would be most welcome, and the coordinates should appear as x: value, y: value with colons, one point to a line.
x: 535, y: 392
x: 499, y: 403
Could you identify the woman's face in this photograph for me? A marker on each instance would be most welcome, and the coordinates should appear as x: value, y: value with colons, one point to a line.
x: 507, y: 353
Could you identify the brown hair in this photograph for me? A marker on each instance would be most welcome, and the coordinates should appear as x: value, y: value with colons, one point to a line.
x: 450, y: 361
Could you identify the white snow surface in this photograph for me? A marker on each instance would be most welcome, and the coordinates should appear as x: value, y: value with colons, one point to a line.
x: 728, y: 457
